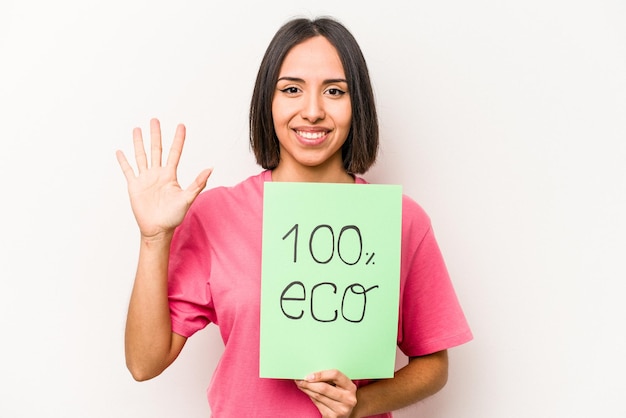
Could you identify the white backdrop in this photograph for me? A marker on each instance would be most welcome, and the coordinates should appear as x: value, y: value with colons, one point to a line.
x: 505, y: 119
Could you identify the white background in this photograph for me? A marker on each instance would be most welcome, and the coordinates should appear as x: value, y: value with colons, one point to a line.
x: 506, y: 120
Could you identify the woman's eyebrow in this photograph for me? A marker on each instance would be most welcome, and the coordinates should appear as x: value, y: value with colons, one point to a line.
x: 299, y: 80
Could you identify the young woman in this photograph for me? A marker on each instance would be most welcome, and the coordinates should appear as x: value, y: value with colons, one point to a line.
x: 312, y: 118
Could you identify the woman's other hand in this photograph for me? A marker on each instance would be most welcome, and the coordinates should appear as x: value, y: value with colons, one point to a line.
x: 331, y: 391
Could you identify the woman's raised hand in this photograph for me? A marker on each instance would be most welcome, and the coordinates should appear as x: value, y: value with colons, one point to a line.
x: 158, y: 202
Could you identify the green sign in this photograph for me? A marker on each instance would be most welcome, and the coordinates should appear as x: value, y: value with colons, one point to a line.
x: 330, y: 279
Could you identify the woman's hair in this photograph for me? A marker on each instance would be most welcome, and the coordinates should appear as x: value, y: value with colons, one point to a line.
x: 359, y: 150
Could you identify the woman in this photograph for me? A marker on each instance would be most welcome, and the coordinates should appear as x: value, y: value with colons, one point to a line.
x: 313, y: 119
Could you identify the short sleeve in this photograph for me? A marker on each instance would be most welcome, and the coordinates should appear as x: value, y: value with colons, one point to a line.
x: 189, y: 293
x: 431, y: 318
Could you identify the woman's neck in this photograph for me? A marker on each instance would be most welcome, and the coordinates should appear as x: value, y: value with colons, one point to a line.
x: 311, y: 174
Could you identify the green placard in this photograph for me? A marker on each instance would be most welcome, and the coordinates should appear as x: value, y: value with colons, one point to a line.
x: 330, y: 279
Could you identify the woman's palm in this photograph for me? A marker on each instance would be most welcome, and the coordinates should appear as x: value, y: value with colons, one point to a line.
x: 158, y: 202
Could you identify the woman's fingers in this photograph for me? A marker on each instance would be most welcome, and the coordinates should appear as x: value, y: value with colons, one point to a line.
x: 334, y: 377
x: 158, y: 201
x: 177, y: 146
x: 128, y: 171
x: 140, y: 152
x: 329, y: 402
x: 332, y: 392
x: 155, y: 143
x: 199, y: 183
x: 156, y: 147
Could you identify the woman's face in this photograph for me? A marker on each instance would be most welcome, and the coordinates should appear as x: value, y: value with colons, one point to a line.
x: 311, y: 108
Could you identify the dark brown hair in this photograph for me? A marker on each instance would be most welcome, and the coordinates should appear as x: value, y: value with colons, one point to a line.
x: 359, y: 150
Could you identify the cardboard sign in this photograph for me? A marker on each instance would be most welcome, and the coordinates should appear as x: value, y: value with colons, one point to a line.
x: 330, y: 279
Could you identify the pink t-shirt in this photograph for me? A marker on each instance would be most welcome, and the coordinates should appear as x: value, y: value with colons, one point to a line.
x: 215, y: 276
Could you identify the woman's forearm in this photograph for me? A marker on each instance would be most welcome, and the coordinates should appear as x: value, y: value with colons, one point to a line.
x: 150, y: 345
x: 419, y: 379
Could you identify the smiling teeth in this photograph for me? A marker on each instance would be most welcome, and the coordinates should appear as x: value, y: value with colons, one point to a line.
x: 311, y: 135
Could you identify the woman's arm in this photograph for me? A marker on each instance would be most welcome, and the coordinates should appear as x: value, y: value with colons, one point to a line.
x: 336, y: 396
x: 420, y: 378
x: 159, y: 205
x: 150, y: 344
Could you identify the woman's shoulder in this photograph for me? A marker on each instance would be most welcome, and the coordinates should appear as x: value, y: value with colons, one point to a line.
x: 416, y: 223
x: 219, y: 204
x: 244, y: 191
x: 413, y: 214
x: 413, y: 210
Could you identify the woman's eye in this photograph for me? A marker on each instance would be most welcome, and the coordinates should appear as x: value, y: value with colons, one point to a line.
x: 290, y: 90
x: 336, y: 92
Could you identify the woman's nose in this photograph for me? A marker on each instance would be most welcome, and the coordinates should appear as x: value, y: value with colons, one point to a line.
x: 312, y: 108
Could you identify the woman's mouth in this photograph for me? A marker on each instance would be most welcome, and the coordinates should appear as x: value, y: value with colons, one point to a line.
x: 311, y: 137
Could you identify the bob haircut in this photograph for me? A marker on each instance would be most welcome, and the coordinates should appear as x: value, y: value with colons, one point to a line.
x: 361, y: 146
